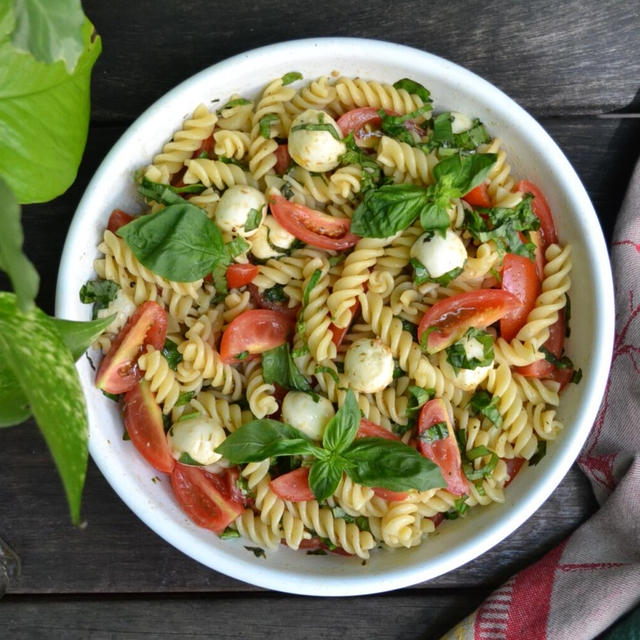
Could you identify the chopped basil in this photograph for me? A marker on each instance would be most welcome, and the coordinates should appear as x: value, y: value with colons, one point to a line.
x: 411, y: 86
x: 100, y: 293
x: 504, y: 226
x: 189, y: 416
x: 278, y: 366
x: 258, y: 552
x: 560, y: 363
x: 540, y: 453
x: 457, y: 355
x: 397, y: 371
x: 477, y: 474
x: 290, y: 77
x: 233, y: 161
x: 567, y: 317
x: 332, y: 372
x: 410, y: 327
x: 265, y: 124
x: 442, y: 136
x: 171, y: 354
x: 254, y: 218
x: 482, y: 402
x: 334, y: 260
x: 417, y: 397
x: 185, y: 458
x: 421, y: 274
x: 184, y: 398
x: 111, y: 396
x: 188, y: 188
x: 275, y: 294
x: 236, y: 247
x: 371, y: 170
x: 576, y: 376
x: 313, y: 281
x: 237, y: 102
x: 460, y: 508
x: 159, y: 192
x: 319, y: 126
x: 437, y: 431
x: 242, y: 355
x: 316, y: 552
x: 229, y: 534
x: 401, y: 429
x: 394, y: 126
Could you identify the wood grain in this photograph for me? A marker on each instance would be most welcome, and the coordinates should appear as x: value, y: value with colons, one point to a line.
x: 552, y: 57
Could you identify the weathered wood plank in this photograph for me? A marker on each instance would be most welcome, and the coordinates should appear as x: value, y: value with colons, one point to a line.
x: 117, y: 553
x: 262, y: 617
x: 552, y: 57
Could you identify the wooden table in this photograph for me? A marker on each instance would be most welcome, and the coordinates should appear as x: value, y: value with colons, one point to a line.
x: 574, y: 65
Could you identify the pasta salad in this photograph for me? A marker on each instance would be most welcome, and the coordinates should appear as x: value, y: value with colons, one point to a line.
x: 340, y: 319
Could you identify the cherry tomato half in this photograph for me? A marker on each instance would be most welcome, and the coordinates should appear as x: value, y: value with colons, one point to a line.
x: 444, y: 452
x: 541, y: 208
x: 118, y: 372
x: 520, y: 278
x: 513, y: 467
x: 117, y: 219
x: 478, y: 196
x: 338, y: 333
x: 240, y: 274
x: 283, y: 159
x: 313, y: 227
x: 293, y: 486
x: 368, y: 429
x: 448, y: 319
x: 203, y: 498
x: 356, y: 119
x: 144, y: 424
x: 254, y: 331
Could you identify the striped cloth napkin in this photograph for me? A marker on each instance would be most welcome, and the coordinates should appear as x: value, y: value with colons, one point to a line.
x: 585, y: 584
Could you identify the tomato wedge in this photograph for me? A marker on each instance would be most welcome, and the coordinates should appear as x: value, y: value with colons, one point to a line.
x: 118, y: 372
x: 356, y: 119
x: 513, y: 467
x: 478, y: 196
x: 205, y: 147
x: 240, y: 274
x: 338, y: 334
x: 313, y: 227
x: 519, y: 277
x: 448, y: 320
x: 259, y: 299
x: 293, y: 486
x: 444, y: 451
x: 255, y: 331
x: 283, y: 159
x: 368, y: 429
x: 203, y: 498
x: 144, y: 424
x: 540, y: 207
x: 117, y: 219
x: 554, y: 344
x: 391, y: 496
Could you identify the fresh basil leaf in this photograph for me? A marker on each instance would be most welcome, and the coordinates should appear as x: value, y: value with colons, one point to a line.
x: 236, y: 247
x: 229, y: 534
x: 44, y: 119
x: 290, y: 77
x: 485, y: 404
x: 261, y: 439
x: 341, y: 430
x: 275, y: 294
x: 377, y: 462
x: 237, y: 102
x: 79, y: 336
x: 567, y: 317
x: 503, y: 226
x: 189, y: 188
x: 278, y: 366
x: 389, y: 209
x: 184, y: 398
x: 325, y: 476
x: 434, y: 216
x: 472, y: 138
x: 158, y: 192
x: 171, y: 354
x: 179, y: 243
x: 189, y: 416
x: 576, y: 376
x: 457, y: 355
x: 43, y: 366
x: 258, y: 552
x: 265, y: 124
x: 219, y: 277
x: 21, y: 272
x: 313, y: 281
x: 477, y: 474
x: 371, y: 170
x: 560, y: 363
x: 49, y: 32
x: 409, y: 327
x: 318, y: 126
x: 253, y: 220
x: 100, y: 293
x: 411, y: 86
x: 461, y: 173
x: 114, y: 397
x: 437, y: 431
x: 421, y: 274
x: 443, y: 138
x: 417, y: 397
x: 243, y: 355
x: 442, y: 134
x: 332, y: 372
x: 541, y: 452
x: 334, y: 260
x: 233, y: 161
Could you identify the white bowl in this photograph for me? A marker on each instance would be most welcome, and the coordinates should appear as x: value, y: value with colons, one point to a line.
x: 532, y: 154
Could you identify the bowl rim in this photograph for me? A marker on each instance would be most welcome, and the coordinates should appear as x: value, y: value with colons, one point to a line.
x: 367, y: 583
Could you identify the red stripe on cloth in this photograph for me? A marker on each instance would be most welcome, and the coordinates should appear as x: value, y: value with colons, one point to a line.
x: 591, y: 565
x: 493, y: 614
x: 531, y: 598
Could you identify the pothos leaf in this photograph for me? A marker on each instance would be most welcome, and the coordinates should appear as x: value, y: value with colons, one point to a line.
x: 45, y: 371
x: 21, y: 272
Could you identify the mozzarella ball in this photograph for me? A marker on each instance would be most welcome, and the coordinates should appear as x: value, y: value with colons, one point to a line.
x: 271, y: 239
x: 368, y: 365
x: 315, y: 150
x: 469, y: 379
x: 461, y: 122
x: 301, y: 411
x: 198, y: 437
x: 234, y: 207
x: 439, y: 255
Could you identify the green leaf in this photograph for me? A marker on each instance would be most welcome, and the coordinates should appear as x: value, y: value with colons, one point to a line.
x: 325, y: 476
x: 171, y: 354
x: 442, y: 135
x: 44, y: 118
x: 395, y: 126
x: 417, y: 397
x: 49, y: 31
x: 484, y: 471
x: 261, y: 439
x: 21, y: 272
x: 78, y: 336
x: 158, y: 192
x: 41, y: 363
x: 371, y: 170
x: 278, y: 366
x: 290, y: 77
x: 275, y: 294
x: 487, y: 405
x: 237, y: 102
x: 421, y: 274
x: 253, y: 220
x: 461, y: 173
x: 100, y: 293
x: 178, y: 243
x: 319, y: 126
x: 457, y: 355
x: 341, y: 430
x: 437, y: 431
x: 411, y: 86
x: 540, y: 453
x: 376, y: 462
x: 388, y: 209
x: 14, y: 406
x: 184, y: 398
x: 434, y: 216
x: 265, y: 124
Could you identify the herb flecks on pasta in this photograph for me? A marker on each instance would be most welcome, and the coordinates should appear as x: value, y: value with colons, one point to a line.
x: 326, y: 344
